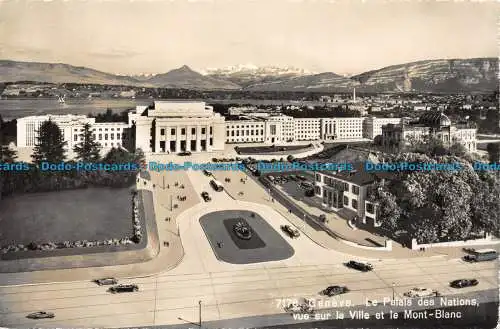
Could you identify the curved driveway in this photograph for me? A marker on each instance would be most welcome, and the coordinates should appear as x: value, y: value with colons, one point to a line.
x: 228, y: 290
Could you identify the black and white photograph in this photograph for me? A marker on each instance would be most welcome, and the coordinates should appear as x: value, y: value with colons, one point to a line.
x: 266, y: 164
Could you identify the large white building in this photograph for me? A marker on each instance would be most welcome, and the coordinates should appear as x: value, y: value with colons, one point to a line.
x: 307, y: 129
x: 372, y: 126
x: 434, y: 124
x: 334, y: 129
x: 177, y: 126
x: 107, y: 134
x: 286, y: 129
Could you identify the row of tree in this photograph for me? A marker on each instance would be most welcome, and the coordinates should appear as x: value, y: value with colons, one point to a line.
x: 434, y: 206
x: 51, y: 147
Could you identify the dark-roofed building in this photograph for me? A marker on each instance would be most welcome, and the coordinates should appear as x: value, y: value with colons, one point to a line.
x: 348, y: 191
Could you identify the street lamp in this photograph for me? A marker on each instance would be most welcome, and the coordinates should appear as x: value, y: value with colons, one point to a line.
x: 199, y: 304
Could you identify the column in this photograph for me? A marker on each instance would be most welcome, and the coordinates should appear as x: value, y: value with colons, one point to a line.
x: 198, y: 138
x: 188, y: 138
x: 167, y: 139
x: 177, y: 138
x: 157, y: 138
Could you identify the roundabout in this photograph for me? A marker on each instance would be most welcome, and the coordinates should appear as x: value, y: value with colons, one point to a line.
x: 243, y: 237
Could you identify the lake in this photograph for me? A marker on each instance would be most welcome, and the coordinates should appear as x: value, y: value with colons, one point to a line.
x: 18, y: 108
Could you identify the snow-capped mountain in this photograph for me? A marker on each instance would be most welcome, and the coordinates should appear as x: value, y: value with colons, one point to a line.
x: 257, y: 70
x: 247, y: 74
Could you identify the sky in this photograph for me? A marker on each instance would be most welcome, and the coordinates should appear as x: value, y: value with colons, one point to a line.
x: 345, y: 37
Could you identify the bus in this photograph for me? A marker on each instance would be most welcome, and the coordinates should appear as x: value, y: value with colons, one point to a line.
x: 216, y: 185
x: 482, y: 255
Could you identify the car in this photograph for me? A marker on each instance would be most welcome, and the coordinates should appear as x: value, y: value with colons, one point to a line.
x: 292, y: 232
x: 334, y: 291
x: 421, y: 292
x: 124, y: 288
x: 206, y: 196
x: 463, y: 283
x: 185, y: 153
x: 207, y: 173
x: 360, y: 266
x: 106, y: 281
x: 41, y: 315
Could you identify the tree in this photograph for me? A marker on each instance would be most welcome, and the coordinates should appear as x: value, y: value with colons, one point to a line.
x: 6, y: 154
x: 117, y: 155
x: 50, y: 145
x: 88, y: 149
x: 493, y: 152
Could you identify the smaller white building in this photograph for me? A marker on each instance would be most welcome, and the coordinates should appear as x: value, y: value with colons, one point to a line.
x: 372, y: 126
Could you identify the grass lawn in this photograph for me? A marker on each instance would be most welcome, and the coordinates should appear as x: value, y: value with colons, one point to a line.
x: 84, y: 214
x: 270, y: 149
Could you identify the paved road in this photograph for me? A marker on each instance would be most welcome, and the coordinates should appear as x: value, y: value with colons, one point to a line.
x: 227, y: 290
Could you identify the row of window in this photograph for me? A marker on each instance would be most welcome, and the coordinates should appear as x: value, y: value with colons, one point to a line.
x: 245, y: 126
x: 100, y: 137
x: 100, y: 129
x: 249, y: 132
x: 173, y: 131
x: 241, y: 140
x: 338, y: 184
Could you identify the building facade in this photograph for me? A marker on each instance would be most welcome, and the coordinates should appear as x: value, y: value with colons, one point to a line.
x: 107, y: 134
x: 434, y: 124
x: 178, y: 126
x: 372, y: 126
x: 348, y: 191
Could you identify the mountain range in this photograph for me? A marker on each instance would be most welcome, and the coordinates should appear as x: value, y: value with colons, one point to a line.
x: 446, y: 75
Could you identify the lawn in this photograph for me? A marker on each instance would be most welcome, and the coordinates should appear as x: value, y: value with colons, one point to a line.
x: 84, y: 214
x: 270, y: 149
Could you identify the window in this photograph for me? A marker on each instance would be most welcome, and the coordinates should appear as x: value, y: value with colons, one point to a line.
x: 346, y: 201
x: 105, y: 137
x: 232, y: 133
x: 355, y: 189
x: 76, y: 138
x: 369, y: 208
x: 162, y: 132
x: 193, y: 131
x: 354, y: 203
x: 183, y: 131
x: 100, y: 137
x: 172, y: 131
x: 318, y: 177
x: 211, y: 141
x: 93, y: 136
x: 227, y: 133
x: 112, y: 136
x: 203, y: 131
x: 210, y: 130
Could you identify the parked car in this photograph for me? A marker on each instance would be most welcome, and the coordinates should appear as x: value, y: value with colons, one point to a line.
x: 106, y: 281
x: 206, y: 196
x: 292, y: 232
x: 124, y: 288
x: 463, y: 283
x: 207, y: 173
x: 334, y: 291
x: 360, y: 266
x: 41, y: 315
x: 421, y: 292
x: 185, y: 153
